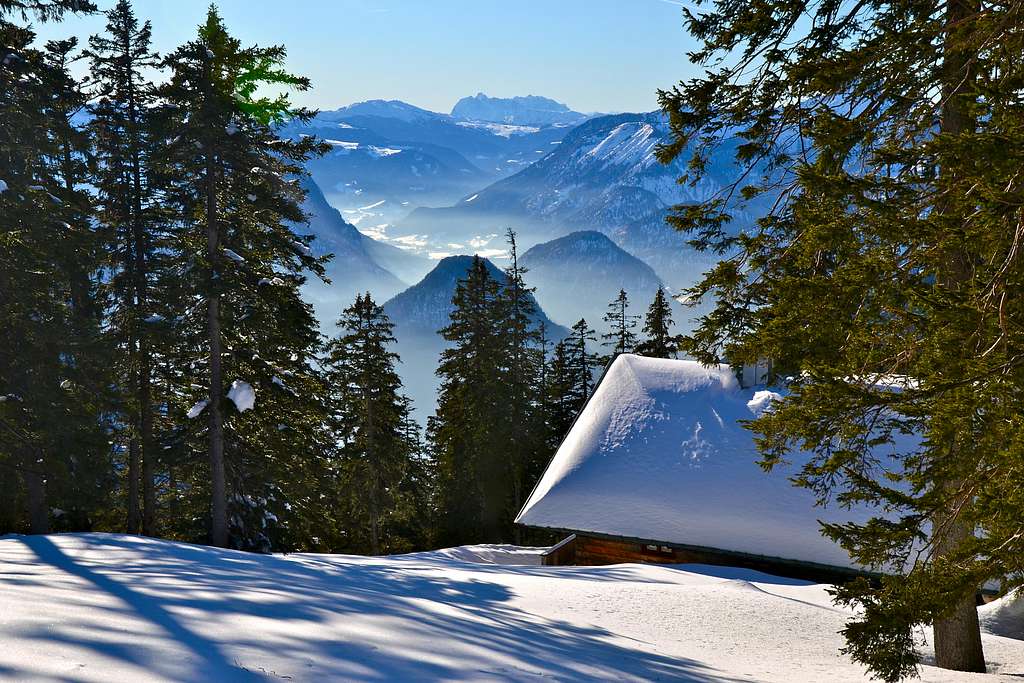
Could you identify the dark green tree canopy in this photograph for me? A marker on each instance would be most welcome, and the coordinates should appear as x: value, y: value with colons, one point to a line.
x: 891, y: 137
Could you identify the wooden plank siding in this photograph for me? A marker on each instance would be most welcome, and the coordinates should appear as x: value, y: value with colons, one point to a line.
x: 585, y: 549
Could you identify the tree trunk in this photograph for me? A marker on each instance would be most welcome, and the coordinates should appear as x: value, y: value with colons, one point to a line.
x: 957, y: 635
x: 132, y: 523
x: 145, y: 365
x: 218, y: 507
x: 35, y: 489
x: 149, y: 449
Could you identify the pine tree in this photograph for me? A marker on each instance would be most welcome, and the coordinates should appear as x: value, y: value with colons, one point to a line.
x: 562, y: 403
x: 659, y: 341
x: 891, y: 137
x: 371, y: 422
x: 472, y: 472
x: 239, y: 267
x: 522, y: 439
x: 581, y: 363
x: 621, y: 338
x: 132, y: 221
x: 49, y: 389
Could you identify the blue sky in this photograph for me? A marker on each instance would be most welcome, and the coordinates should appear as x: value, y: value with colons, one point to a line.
x: 594, y: 55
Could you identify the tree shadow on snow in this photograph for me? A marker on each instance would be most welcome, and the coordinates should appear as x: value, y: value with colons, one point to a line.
x: 413, y: 624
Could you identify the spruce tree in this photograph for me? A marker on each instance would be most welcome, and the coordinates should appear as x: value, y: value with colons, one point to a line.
x: 522, y: 438
x: 245, y: 332
x: 581, y: 363
x: 562, y: 402
x: 50, y: 392
x: 659, y: 341
x: 132, y: 221
x: 472, y: 472
x: 371, y: 423
x: 621, y: 338
x: 886, y: 280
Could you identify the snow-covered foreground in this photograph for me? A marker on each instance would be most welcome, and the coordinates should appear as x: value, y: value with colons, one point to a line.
x: 99, y: 607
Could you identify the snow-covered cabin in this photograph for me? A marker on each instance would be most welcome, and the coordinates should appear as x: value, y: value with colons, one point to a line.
x: 659, y: 468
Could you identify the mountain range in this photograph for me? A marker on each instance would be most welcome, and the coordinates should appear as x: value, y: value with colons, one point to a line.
x: 603, y: 176
x: 412, y: 187
x: 530, y: 110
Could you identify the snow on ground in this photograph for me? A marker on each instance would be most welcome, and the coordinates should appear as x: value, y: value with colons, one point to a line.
x: 103, y: 607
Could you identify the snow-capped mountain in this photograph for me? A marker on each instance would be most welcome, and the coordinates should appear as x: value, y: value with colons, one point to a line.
x: 389, y: 157
x: 392, y: 109
x: 423, y: 309
x: 602, y: 176
x: 530, y: 110
x: 577, y: 275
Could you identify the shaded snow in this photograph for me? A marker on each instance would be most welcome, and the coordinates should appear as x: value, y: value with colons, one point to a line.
x: 103, y: 607
x: 660, y: 453
x: 1005, y: 616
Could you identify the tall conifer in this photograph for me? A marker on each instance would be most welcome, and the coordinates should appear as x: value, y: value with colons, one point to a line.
x: 241, y: 264
x: 886, y: 280
x: 621, y: 337
x: 131, y: 218
x: 659, y: 342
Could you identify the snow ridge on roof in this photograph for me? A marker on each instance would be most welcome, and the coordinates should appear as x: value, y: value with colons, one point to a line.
x: 660, y: 453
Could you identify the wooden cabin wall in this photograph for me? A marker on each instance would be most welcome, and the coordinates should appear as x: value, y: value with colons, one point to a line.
x: 583, y: 550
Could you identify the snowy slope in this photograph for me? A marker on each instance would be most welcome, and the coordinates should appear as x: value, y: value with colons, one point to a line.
x: 99, y: 607
x: 660, y: 453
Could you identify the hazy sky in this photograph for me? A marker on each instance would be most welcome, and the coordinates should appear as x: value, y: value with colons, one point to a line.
x: 594, y: 55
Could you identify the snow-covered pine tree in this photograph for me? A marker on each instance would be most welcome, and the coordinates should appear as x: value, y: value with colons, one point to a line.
x: 247, y: 338
x: 133, y: 224
x: 659, y: 342
x: 887, y: 280
x: 371, y: 422
x: 621, y: 337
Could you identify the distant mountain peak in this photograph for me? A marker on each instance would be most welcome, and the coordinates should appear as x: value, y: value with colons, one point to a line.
x: 427, y: 305
x: 394, y: 109
x: 523, y: 110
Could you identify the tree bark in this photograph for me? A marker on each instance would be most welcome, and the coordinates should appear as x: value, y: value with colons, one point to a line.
x: 218, y: 507
x: 141, y: 284
x: 957, y: 635
x: 132, y: 523
x: 35, y: 489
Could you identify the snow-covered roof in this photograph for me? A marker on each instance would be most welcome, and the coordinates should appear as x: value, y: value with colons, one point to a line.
x: 659, y: 453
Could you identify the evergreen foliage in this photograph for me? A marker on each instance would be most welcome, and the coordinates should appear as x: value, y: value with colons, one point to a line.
x: 51, y: 398
x: 659, y: 341
x: 378, y: 443
x: 133, y: 226
x: 490, y: 436
x: 230, y: 178
x: 621, y: 338
x: 886, y: 281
